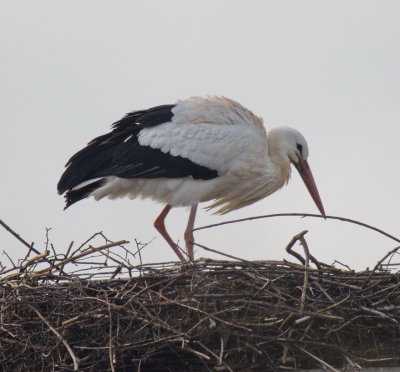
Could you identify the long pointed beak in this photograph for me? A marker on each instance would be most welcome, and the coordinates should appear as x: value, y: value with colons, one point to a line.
x: 305, y: 173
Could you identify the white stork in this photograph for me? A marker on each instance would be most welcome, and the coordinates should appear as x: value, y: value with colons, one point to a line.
x: 197, y: 150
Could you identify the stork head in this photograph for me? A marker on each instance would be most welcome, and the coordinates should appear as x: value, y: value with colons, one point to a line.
x: 294, y: 146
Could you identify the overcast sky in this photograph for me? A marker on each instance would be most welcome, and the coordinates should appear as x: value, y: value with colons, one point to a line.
x: 328, y: 68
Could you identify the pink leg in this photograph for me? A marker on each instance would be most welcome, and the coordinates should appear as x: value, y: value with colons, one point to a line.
x: 189, y: 239
x: 160, y: 226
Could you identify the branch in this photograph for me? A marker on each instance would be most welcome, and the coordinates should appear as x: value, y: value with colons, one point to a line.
x: 302, y: 215
x: 393, y: 251
x: 61, y: 338
x: 10, y: 230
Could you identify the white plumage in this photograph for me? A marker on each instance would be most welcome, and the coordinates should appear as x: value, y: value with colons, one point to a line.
x: 198, y: 150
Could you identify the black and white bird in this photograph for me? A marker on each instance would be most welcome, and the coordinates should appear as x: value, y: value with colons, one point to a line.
x: 197, y: 150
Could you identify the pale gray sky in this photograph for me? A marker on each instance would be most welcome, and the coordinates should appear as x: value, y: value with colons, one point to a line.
x: 328, y: 68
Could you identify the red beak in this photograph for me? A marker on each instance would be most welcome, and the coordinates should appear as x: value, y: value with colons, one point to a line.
x: 305, y: 173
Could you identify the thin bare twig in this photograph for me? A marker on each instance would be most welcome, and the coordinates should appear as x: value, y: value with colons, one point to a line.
x: 24, y: 242
x: 393, y: 251
x: 380, y: 231
x: 306, y: 266
x: 110, y: 350
x: 61, y: 338
x: 220, y: 253
x: 214, y: 355
x: 325, y: 364
x: 33, y: 260
x: 80, y: 255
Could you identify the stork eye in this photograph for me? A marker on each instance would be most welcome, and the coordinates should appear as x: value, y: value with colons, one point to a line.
x: 299, y: 147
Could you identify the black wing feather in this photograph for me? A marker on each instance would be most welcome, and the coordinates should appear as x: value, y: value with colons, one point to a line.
x: 114, y: 154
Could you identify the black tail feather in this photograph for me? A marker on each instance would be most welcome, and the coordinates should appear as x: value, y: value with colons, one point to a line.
x: 74, y: 196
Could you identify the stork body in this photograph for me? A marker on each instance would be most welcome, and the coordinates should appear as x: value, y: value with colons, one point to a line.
x: 198, y: 150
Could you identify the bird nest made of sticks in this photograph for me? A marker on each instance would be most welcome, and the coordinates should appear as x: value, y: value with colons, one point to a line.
x: 75, y: 312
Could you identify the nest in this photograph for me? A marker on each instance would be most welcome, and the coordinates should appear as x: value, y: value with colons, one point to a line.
x: 77, y: 312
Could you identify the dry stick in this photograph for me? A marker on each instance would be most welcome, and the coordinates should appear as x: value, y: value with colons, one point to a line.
x: 24, y: 242
x: 352, y: 364
x: 317, y: 359
x: 140, y: 257
x: 323, y: 291
x: 379, y: 313
x: 303, y: 215
x: 214, y: 355
x: 334, y: 305
x: 67, y: 260
x: 292, y: 243
x: 357, y: 288
x: 286, y: 347
x: 199, y: 311
x: 378, y: 264
x: 8, y: 228
x: 69, y: 249
x: 61, y: 338
x: 110, y: 347
x: 198, y: 353
x: 66, y: 255
x: 85, y: 242
x: 80, y: 255
x: 307, y: 254
x: 222, y: 253
x: 116, y: 272
x: 159, y: 321
x: 32, y: 260
x: 12, y: 262
x: 221, y: 353
x: 305, y: 262
x: 251, y: 263
x: 28, y: 253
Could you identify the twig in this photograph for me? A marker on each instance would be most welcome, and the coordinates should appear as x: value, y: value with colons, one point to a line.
x: 290, y: 246
x: 298, y: 256
x: 28, y: 253
x: 305, y: 286
x: 214, y: 355
x: 65, y: 261
x: 221, y: 353
x: 336, y: 304
x: 86, y: 242
x: 325, y: 364
x: 66, y: 255
x: 286, y: 347
x: 12, y: 262
x: 302, y: 215
x: 110, y: 349
x: 8, y: 228
x: 138, y: 249
x: 61, y: 338
x: 32, y: 260
x: 305, y: 262
x: 80, y: 255
x: 380, y: 314
x: 198, y: 353
x: 200, y: 311
x: 220, y: 253
x: 393, y: 251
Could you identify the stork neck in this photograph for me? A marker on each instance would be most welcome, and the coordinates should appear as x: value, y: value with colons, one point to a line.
x: 279, y: 159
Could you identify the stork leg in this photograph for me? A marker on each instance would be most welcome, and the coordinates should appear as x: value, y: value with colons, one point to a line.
x: 160, y: 226
x: 189, y: 239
